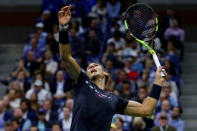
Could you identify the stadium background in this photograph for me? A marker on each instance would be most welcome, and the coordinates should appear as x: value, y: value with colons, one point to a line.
x: 18, y: 21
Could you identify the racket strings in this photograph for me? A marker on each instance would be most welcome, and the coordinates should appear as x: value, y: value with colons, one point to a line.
x: 141, y: 22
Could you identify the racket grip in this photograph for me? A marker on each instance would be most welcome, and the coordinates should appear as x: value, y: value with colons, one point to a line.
x: 157, y: 63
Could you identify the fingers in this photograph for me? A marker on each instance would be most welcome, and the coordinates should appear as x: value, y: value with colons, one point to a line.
x: 66, y: 8
x: 160, y: 69
x: 60, y: 13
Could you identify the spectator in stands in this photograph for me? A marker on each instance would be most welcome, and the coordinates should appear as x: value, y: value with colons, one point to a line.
x: 41, y: 36
x: 33, y: 101
x: 14, y: 101
x: 173, y: 90
x: 34, y: 48
x: 78, y: 11
x: 31, y: 64
x: 139, y: 124
x: 52, y: 41
x: 99, y: 11
x: 6, y: 102
x: 119, y: 123
x: 110, y: 68
x: 50, y: 64
x: 42, y: 123
x: 40, y: 76
x: 56, y: 127
x: 131, y: 74
x: 111, y: 54
x: 45, y: 18
x: 42, y: 94
x: 24, y: 124
x: 20, y: 68
x: 66, y: 121
x: 176, y: 121
x: 131, y: 49
x: 8, y: 126
x: 16, y: 85
x: 57, y: 88
x: 126, y: 92
x: 173, y: 56
x: 144, y: 79
x: 150, y: 69
x: 94, y: 25
x: 4, y: 115
x: 167, y: 91
x: 163, y: 118
x: 121, y: 24
x: 113, y: 8
x: 78, y: 28
x: 22, y: 80
x: 92, y: 44
x: 142, y: 93
x: 127, y: 121
x: 165, y: 108
x: 15, y: 125
x: 28, y: 113
x: 176, y: 33
x: 167, y: 21
x: 76, y: 42
x: 51, y: 114
x: 52, y: 5
x: 118, y: 41
x: 69, y: 104
x: 34, y: 128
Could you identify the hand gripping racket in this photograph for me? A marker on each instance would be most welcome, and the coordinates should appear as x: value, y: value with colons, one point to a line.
x: 142, y: 24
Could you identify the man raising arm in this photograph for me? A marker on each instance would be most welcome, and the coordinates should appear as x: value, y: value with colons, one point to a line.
x: 93, y: 106
x: 71, y: 66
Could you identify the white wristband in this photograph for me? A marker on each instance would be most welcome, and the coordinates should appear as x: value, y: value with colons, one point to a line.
x: 63, y: 28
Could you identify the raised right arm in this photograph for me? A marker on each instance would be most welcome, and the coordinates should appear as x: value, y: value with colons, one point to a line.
x: 71, y: 66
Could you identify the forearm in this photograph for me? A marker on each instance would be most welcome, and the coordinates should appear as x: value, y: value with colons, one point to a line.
x: 71, y: 66
x: 27, y: 74
x: 15, y: 73
x: 146, y: 108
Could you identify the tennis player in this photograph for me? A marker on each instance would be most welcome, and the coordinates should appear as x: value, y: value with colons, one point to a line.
x: 93, y: 106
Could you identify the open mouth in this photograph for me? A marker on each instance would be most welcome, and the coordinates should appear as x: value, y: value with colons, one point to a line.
x: 93, y: 70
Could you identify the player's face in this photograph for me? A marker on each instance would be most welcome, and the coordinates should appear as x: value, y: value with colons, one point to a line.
x: 94, y: 70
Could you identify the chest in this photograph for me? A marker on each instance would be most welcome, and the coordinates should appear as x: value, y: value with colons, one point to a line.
x: 95, y: 101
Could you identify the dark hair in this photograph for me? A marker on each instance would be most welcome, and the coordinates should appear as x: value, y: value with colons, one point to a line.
x: 25, y: 101
x: 180, y: 109
x: 120, y: 119
x: 117, y: 34
x: 57, y: 123
x: 126, y: 82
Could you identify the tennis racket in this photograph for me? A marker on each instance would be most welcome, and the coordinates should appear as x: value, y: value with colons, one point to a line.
x: 142, y: 24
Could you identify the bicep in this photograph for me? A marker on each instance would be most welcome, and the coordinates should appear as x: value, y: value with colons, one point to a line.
x: 134, y: 109
x: 137, y: 109
x: 72, y: 68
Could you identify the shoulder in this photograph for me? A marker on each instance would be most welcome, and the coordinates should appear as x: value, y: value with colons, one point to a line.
x: 155, y: 128
x: 30, y: 91
x: 172, y: 128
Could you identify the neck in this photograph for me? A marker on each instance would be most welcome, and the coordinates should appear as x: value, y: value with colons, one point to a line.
x: 66, y: 118
x: 100, y: 82
x: 175, y: 118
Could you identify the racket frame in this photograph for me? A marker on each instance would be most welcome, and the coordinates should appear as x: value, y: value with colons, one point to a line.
x: 152, y: 52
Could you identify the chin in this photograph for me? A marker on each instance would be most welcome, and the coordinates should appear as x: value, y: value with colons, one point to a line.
x: 94, y: 76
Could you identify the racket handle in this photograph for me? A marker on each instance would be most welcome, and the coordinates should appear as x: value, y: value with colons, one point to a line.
x: 157, y: 63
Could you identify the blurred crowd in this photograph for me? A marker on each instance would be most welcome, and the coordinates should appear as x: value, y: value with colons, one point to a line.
x: 38, y: 96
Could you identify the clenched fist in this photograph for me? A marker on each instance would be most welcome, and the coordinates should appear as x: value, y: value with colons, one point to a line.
x: 158, y: 78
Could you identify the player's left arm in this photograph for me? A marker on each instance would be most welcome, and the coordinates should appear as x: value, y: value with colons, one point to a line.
x: 146, y: 108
